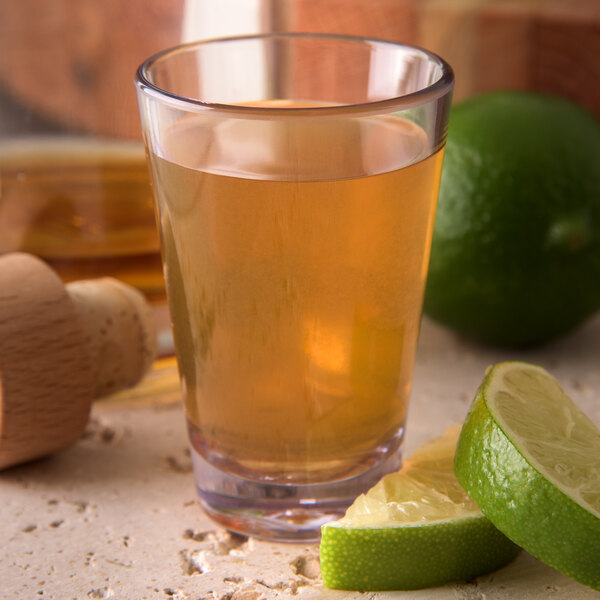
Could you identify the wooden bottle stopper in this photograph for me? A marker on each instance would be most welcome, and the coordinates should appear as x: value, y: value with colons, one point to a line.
x: 61, y: 347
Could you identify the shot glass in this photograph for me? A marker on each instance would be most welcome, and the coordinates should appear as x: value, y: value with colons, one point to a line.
x: 295, y: 179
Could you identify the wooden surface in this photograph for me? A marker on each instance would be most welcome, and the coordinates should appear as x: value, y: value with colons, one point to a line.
x: 116, y: 515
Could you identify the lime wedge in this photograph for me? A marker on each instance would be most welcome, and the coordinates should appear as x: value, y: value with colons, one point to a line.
x: 531, y: 460
x: 415, y: 528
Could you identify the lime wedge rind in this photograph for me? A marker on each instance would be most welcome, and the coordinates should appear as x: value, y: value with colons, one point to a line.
x: 413, y: 530
x: 518, y: 499
x: 464, y: 548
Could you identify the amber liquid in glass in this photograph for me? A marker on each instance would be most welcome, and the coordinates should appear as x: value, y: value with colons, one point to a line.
x: 296, y: 273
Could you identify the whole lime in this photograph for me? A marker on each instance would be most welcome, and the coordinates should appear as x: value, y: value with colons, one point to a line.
x: 515, y: 259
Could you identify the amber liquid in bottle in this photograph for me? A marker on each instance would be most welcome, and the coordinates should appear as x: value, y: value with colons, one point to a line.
x: 82, y: 205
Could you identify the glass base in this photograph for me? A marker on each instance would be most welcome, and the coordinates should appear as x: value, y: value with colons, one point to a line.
x: 285, y: 512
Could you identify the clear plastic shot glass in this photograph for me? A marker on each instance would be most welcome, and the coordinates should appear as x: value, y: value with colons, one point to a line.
x: 295, y: 179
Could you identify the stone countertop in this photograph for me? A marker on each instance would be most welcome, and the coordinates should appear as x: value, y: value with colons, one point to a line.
x: 116, y: 516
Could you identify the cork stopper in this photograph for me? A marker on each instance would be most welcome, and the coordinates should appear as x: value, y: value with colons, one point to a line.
x: 61, y: 347
x: 119, y: 330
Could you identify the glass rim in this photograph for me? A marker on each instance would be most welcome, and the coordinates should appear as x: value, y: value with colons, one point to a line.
x: 436, y: 90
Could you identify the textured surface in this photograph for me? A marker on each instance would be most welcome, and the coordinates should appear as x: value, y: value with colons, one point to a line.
x: 116, y: 515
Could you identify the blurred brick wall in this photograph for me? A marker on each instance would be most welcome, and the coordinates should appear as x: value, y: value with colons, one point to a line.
x: 73, y: 60
x: 549, y: 46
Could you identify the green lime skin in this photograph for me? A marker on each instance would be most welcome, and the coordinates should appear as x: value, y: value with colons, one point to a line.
x: 515, y: 258
x: 521, y: 502
x: 416, y: 557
